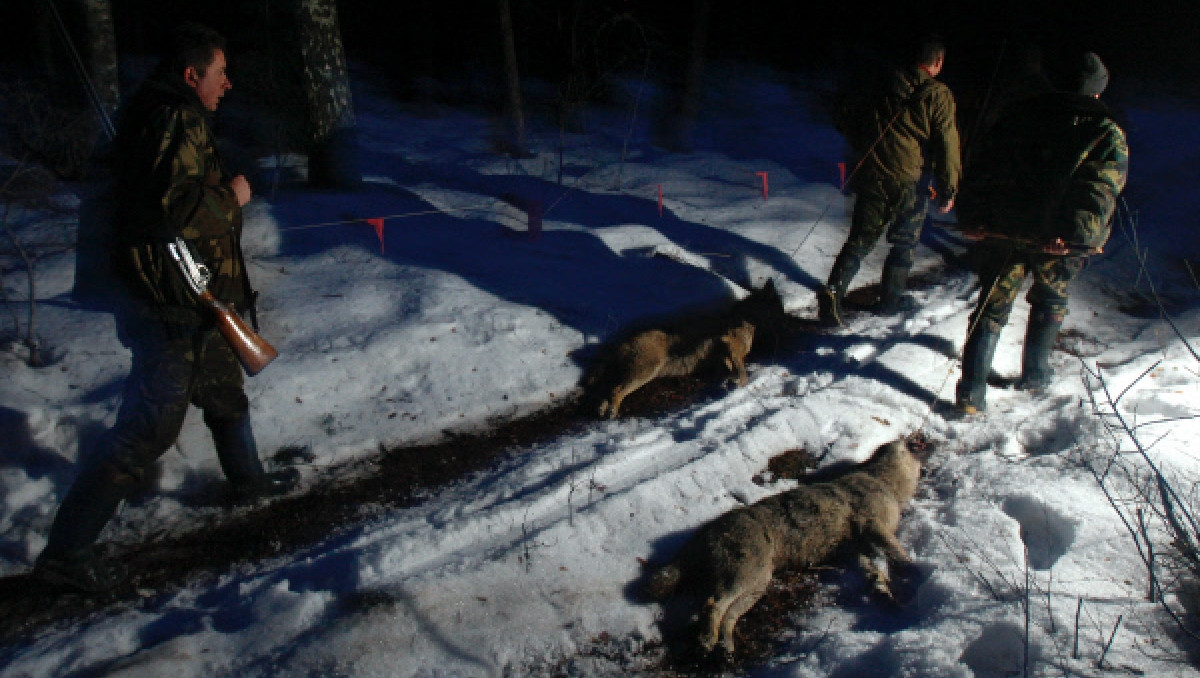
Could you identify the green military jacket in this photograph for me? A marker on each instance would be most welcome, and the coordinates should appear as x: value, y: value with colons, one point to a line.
x: 171, y: 183
x: 1052, y: 167
x: 901, y: 126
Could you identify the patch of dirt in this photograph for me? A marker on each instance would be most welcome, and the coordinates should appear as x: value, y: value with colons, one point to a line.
x: 788, y: 465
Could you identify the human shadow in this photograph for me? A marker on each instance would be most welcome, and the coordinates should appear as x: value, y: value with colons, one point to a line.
x: 572, y: 273
x: 809, y: 349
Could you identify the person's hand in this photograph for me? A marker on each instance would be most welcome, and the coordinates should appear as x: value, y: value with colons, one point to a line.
x: 241, y: 189
x: 1057, y: 248
x: 946, y: 206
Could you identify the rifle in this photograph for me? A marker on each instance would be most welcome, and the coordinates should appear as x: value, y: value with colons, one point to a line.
x: 252, y: 350
x: 1055, y: 247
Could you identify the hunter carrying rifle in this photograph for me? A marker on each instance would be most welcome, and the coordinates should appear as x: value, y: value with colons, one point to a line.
x: 1042, y: 192
x: 176, y: 204
x: 898, y: 125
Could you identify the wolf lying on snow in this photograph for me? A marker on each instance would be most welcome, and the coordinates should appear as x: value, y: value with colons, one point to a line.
x: 729, y: 563
x: 721, y: 341
x: 655, y: 353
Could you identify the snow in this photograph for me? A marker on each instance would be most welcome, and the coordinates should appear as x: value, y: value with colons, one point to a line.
x: 464, y: 320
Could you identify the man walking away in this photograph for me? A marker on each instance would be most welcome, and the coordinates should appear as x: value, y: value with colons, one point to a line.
x: 170, y: 184
x: 899, y: 128
x: 1042, y: 192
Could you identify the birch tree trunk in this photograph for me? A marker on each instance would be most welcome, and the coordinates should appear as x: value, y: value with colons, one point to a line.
x: 100, y: 52
x: 332, y: 148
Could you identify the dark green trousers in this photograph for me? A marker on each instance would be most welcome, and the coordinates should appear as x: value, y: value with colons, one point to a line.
x: 174, y: 366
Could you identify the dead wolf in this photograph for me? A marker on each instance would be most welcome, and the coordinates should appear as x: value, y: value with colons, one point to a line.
x: 714, y: 342
x: 728, y: 564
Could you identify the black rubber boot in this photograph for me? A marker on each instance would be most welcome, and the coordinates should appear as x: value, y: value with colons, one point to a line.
x: 68, y: 559
x: 1040, y: 335
x: 234, y: 442
x: 971, y: 393
x: 831, y: 296
x: 891, y: 289
x: 83, y: 571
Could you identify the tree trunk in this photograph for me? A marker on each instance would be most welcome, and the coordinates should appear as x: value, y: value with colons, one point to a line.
x: 332, y: 152
x: 100, y: 53
x: 689, y: 100
x: 514, y: 111
x: 46, y: 42
x: 423, y: 37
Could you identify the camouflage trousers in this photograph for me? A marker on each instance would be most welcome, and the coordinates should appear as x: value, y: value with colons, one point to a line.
x: 1004, y: 271
x: 173, y: 367
x: 879, y: 207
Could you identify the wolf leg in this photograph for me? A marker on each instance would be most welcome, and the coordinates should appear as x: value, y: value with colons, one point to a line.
x: 747, y: 575
x: 621, y: 391
x: 877, y: 579
x: 737, y: 366
x: 739, y: 607
x: 893, y: 551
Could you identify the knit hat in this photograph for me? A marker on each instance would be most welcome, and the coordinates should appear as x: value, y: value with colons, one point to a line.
x: 1091, y: 77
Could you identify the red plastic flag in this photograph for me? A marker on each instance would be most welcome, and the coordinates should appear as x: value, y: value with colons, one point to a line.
x: 660, y: 200
x: 764, y: 180
x: 378, y: 224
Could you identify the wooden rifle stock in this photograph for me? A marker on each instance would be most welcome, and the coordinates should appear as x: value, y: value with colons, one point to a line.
x: 1025, y: 244
x: 252, y: 350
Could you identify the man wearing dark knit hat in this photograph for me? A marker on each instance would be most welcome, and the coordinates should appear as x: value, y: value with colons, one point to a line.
x: 1041, y: 194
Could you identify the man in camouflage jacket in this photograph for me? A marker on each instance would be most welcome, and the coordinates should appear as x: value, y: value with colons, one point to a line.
x: 170, y: 183
x: 1044, y: 189
x: 898, y: 128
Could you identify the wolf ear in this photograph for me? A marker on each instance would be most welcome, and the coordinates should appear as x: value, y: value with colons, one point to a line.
x: 770, y: 286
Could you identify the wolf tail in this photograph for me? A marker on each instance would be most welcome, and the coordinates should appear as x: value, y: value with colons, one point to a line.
x: 663, y: 581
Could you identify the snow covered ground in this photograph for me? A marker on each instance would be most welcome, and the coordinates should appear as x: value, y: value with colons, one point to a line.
x: 463, y: 319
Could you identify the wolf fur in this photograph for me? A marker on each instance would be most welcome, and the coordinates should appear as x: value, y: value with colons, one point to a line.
x: 729, y: 563
x: 716, y: 342
x: 656, y: 353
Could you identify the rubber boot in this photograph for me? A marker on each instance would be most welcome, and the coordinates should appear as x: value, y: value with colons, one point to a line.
x: 891, y: 289
x: 971, y: 393
x: 1040, y: 335
x: 69, y: 559
x: 831, y: 296
x: 238, y: 454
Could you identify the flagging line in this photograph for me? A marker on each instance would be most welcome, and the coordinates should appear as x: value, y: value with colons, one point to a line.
x: 481, y: 207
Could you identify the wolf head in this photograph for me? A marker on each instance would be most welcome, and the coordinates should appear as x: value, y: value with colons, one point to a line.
x: 896, y: 466
x: 763, y: 307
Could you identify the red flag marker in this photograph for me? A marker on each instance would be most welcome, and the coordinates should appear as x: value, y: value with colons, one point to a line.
x: 660, y: 200
x: 764, y: 179
x: 378, y: 224
x: 842, y: 174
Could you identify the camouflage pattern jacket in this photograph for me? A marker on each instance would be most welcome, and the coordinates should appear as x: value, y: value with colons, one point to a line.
x: 1052, y: 167
x: 903, y: 125
x: 170, y: 183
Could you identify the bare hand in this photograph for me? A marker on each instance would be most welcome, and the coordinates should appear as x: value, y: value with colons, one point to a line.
x: 1058, y: 247
x: 241, y: 189
x: 946, y: 207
